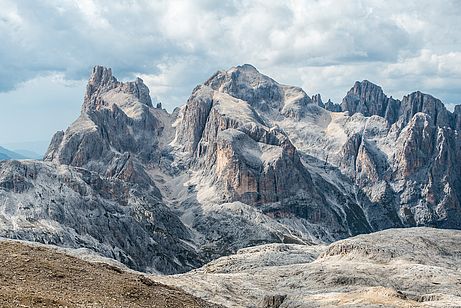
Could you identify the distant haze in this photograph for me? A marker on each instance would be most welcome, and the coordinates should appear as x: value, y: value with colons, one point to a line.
x: 49, y: 47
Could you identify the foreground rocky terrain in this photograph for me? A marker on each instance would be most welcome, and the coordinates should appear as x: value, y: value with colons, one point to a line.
x: 415, y: 267
x: 246, y: 161
x: 42, y: 276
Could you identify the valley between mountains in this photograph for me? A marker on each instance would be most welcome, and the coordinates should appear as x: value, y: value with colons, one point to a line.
x: 255, y: 193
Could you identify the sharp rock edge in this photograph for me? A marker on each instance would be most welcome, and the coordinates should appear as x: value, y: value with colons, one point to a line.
x: 245, y: 161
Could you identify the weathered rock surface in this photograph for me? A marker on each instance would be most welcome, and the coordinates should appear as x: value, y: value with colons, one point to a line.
x: 117, y: 119
x: 317, y: 99
x: 246, y: 161
x: 259, y: 91
x: 414, y: 267
x: 369, y: 99
x: 330, y: 106
x: 410, y: 167
x: 420, y: 102
x: 74, y: 207
x: 94, y: 189
x: 229, y: 130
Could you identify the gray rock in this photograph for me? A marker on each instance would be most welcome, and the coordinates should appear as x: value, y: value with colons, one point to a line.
x: 261, y: 92
x: 416, y: 267
x: 369, y: 99
x: 272, y: 301
x: 317, y: 99
x: 246, y: 161
x: 420, y: 102
x: 232, y: 146
x: 74, y: 207
x: 330, y: 106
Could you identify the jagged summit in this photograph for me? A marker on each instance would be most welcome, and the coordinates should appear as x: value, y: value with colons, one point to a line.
x: 117, y: 117
x: 367, y: 98
x: 317, y: 99
x: 245, y: 161
x: 102, y: 83
x: 100, y: 76
x: 421, y: 102
x: 263, y: 93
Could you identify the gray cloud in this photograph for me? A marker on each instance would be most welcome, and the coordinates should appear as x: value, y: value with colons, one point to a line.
x: 323, y: 46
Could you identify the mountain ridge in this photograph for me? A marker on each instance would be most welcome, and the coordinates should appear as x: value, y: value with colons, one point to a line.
x: 245, y: 161
x: 8, y: 154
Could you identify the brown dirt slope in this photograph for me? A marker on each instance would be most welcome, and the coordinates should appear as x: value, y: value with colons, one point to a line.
x: 37, y: 276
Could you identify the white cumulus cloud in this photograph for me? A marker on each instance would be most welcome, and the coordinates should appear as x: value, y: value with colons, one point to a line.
x: 323, y: 46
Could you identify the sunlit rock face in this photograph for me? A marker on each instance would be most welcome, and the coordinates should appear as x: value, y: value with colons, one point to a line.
x: 245, y: 161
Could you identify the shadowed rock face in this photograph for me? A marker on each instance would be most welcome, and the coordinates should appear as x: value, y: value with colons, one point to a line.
x: 74, y: 207
x: 94, y: 190
x: 419, y: 175
x: 245, y: 161
x: 420, y: 102
x: 330, y: 106
x: 428, y: 166
x: 236, y: 147
x: 369, y: 99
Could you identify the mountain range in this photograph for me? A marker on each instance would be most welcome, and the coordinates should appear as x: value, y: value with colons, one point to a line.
x: 6, y: 154
x: 246, y: 161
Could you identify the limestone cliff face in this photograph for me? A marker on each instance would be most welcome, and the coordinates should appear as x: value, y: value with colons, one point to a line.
x: 457, y: 118
x: 228, y: 128
x: 369, y: 99
x: 420, y: 102
x: 412, y: 167
x: 255, y: 172
x: 248, y: 160
x: 94, y: 189
x: 118, y: 130
x: 245, y: 161
x: 393, y: 152
x: 427, y: 172
x: 77, y: 208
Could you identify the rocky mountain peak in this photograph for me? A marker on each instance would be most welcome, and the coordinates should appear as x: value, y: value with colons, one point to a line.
x: 247, y: 160
x: 365, y: 97
x: 246, y: 68
x: 421, y: 102
x: 101, y: 76
x: 369, y: 99
x: 263, y: 93
x: 317, y: 99
x: 245, y: 82
x: 117, y: 125
x: 102, y: 81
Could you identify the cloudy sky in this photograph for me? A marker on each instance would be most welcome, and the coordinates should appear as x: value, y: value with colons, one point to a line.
x: 47, y: 49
